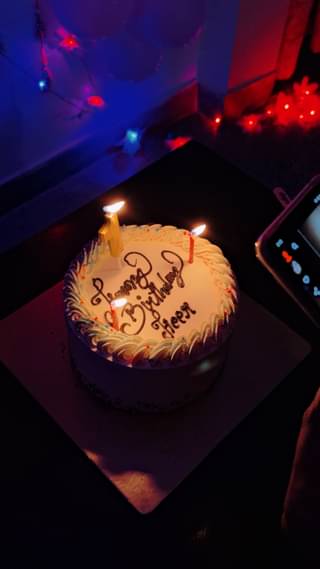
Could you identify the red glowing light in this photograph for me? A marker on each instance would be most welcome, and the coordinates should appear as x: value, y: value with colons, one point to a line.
x: 174, y: 143
x: 304, y: 88
x: 250, y: 123
x: 96, y: 101
x: 288, y: 258
x: 215, y: 122
x: 299, y: 105
x: 70, y: 43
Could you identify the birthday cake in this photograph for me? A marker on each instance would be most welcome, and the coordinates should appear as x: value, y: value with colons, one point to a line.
x: 167, y: 342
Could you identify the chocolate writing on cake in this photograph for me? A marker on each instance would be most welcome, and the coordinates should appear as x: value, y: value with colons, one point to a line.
x: 136, y: 311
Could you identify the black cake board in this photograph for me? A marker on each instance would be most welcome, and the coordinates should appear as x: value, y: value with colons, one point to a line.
x: 146, y: 456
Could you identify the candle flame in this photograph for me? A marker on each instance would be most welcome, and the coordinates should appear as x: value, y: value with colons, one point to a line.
x: 113, y: 208
x: 198, y: 230
x: 119, y: 302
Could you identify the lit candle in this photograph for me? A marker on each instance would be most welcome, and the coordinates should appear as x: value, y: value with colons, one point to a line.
x: 117, y: 303
x: 192, y: 234
x: 110, y: 231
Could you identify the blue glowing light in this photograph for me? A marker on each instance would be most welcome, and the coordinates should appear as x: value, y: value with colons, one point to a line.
x: 306, y: 279
x: 296, y: 267
x: 132, y: 141
x: 43, y: 84
x: 132, y: 136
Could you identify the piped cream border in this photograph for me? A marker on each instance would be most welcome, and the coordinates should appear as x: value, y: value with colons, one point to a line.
x: 137, y: 351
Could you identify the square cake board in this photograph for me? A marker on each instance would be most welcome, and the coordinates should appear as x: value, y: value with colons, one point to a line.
x: 146, y: 456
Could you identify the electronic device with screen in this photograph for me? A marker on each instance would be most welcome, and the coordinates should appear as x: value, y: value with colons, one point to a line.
x: 290, y: 249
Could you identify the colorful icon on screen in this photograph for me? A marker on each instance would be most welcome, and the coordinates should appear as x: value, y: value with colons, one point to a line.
x: 306, y: 279
x: 294, y: 246
x: 279, y: 243
x: 296, y: 267
x: 288, y: 258
x: 316, y: 291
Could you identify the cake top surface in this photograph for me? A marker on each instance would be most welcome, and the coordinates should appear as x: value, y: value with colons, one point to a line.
x: 174, y: 308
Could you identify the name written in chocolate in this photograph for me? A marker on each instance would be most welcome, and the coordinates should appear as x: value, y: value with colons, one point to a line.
x: 135, y: 313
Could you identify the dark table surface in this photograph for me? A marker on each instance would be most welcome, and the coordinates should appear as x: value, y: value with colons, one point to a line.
x: 57, y: 509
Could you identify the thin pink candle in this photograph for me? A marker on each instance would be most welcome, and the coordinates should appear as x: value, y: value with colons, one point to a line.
x: 192, y: 234
x: 191, y: 247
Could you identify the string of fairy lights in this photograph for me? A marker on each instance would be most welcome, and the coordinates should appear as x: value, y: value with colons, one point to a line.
x: 45, y: 81
x: 298, y: 106
x: 132, y: 140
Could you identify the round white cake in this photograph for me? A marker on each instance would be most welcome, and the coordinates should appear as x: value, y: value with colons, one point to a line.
x: 173, y: 331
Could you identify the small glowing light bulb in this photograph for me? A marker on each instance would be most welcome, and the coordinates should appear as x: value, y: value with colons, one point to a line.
x: 132, y: 141
x: 96, y: 101
x: 132, y: 135
x: 43, y: 84
x: 69, y: 43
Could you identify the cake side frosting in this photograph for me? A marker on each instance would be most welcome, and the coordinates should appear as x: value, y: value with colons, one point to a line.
x: 176, y: 311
